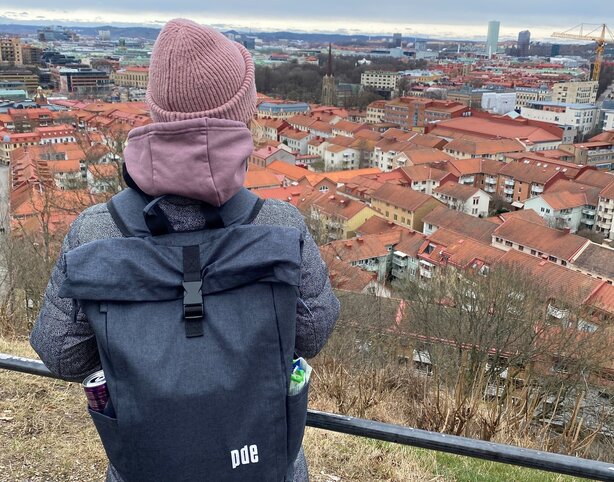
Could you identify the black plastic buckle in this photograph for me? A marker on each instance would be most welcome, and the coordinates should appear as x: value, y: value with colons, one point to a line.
x: 192, y: 300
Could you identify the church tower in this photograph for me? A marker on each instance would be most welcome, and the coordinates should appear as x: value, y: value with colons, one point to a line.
x: 329, y: 91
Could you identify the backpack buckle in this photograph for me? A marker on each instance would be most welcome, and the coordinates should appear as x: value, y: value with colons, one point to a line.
x: 192, y: 300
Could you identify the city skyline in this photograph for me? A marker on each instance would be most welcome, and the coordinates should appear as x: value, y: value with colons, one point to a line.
x: 445, y: 20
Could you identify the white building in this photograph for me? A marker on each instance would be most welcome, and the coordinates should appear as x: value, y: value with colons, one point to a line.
x: 499, y: 103
x: 380, y: 80
x: 464, y: 198
x: 338, y: 157
x: 582, y: 117
x: 564, y: 210
x: 296, y: 140
x: 605, y: 211
x: 608, y: 120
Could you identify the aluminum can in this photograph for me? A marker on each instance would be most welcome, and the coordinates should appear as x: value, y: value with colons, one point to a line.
x: 95, y: 386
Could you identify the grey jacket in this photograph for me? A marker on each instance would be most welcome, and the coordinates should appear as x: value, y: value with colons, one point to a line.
x: 66, y: 344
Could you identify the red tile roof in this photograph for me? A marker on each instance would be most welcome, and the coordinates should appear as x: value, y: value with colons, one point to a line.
x: 291, y: 194
x: 595, y: 178
x: 457, y: 191
x: 455, y: 249
x: 484, y: 147
x: 469, y: 226
x: 402, y: 197
x: 560, y: 282
x: 541, y: 238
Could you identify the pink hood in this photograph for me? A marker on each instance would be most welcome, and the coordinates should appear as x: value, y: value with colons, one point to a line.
x: 200, y: 158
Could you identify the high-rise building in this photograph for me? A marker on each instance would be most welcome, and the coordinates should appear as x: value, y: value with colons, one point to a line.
x: 397, y: 38
x: 329, y: 91
x: 492, y: 40
x: 10, y: 50
x: 555, y: 50
x: 524, y: 39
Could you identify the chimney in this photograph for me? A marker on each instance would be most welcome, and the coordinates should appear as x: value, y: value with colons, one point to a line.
x: 566, y: 230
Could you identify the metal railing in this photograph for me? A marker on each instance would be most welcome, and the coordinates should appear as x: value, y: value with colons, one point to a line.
x: 479, y: 449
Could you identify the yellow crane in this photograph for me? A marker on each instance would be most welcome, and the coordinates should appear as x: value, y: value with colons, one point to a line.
x: 600, y: 34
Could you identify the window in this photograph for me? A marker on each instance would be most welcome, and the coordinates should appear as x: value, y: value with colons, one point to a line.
x: 476, y: 201
x: 533, y: 252
x: 508, y: 243
x: 395, y: 217
x: 552, y: 258
x: 520, y: 247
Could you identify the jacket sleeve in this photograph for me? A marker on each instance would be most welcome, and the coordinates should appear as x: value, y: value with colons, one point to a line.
x: 62, y: 336
x: 318, y: 307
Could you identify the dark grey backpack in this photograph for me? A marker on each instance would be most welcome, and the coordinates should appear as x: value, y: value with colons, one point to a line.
x: 196, y: 336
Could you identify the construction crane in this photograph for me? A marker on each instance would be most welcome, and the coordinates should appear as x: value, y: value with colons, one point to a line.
x: 600, y: 34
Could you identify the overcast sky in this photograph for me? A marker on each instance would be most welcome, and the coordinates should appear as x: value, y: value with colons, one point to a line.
x: 444, y: 18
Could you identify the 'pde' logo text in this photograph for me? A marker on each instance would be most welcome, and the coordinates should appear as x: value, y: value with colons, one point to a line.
x: 247, y: 455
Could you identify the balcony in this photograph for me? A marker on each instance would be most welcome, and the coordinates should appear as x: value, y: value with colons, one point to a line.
x: 588, y: 221
x: 537, y: 189
x: 490, y: 180
x: 510, y: 182
x: 589, y: 211
x: 467, y: 179
x: 509, y: 191
x: 490, y: 189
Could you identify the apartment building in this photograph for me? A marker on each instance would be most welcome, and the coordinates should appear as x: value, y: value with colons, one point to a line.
x: 565, y: 209
x: 526, y: 95
x: 519, y: 181
x: 402, y: 205
x: 131, y: 77
x: 485, y: 148
x: 605, y: 212
x: 581, y: 117
x: 535, y: 136
x: 376, y: 111
x: 575, y: 92
x: 80, y: 80
x: 596, y: 154
x: 549, y: 244
x: 28, y: 78
x: 296, y: 140
x: 266, y: 155
x: 10, y: 50
x: 336, y: 216
x: 426, y: 179
x: 380, y: 80
x: 467, y: 199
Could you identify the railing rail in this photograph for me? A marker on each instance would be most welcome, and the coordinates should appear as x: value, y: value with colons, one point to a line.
x: 534, y: 459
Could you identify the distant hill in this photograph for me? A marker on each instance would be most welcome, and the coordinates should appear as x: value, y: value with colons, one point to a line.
x: 151, y: 33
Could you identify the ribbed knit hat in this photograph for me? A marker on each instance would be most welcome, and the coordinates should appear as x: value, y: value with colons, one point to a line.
x: 197, y: 72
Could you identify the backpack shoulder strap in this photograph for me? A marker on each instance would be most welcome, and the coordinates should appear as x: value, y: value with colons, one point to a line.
x: 126, y: 209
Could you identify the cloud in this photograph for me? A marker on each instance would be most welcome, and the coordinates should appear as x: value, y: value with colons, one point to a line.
x: 467, y: 19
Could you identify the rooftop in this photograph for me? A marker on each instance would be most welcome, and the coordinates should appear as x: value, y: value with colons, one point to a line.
x: 469, y: 226
x: 402, y: 197
x: 597, y: 259
x: 457, y: 191
x: 541, y: 238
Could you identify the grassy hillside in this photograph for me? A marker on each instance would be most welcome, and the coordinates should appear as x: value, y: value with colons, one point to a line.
x: 46, y: 435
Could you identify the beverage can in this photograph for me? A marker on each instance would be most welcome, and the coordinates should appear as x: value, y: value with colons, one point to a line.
x: 95, y: 386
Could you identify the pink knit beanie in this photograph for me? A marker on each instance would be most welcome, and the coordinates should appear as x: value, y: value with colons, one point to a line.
x: 197, y: 72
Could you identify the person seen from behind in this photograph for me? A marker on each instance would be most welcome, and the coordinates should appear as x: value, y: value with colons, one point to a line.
x: 189, y: 165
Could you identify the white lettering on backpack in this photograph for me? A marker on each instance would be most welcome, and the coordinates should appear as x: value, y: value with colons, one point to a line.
x: 247, y: 455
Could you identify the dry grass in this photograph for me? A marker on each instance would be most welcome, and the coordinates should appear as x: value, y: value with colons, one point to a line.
x: 46, y: 436
x: 45, y: 432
